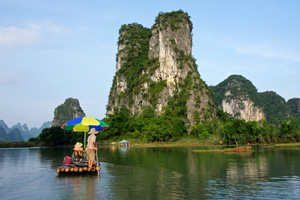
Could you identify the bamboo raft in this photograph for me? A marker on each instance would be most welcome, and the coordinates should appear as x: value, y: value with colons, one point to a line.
x: 62, y: 170
x: 72, y: 165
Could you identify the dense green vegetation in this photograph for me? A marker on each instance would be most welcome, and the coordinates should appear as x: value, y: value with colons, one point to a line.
x: 18, y: 144
x: 294, y: 104
x: 151, y: 127
x: 148, y: 126
x: 275, y: 107
x: 173, y: 19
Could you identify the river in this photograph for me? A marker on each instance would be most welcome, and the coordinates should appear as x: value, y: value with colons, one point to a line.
x: 153, y: 173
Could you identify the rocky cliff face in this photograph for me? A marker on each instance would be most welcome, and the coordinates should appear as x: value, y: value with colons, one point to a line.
x: 243, y: 109
x: 155, y: 67
x: 68, y: 110
x: 238, y: 97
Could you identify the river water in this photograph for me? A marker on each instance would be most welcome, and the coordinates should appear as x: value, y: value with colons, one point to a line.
x: 153, y: 173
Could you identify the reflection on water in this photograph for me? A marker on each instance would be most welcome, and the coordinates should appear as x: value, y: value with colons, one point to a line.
x: 153, y: 173
x: 82, y: 186
x: 278, y: 188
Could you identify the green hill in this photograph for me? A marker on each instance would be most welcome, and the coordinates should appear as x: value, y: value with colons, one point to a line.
x: 294, y: 105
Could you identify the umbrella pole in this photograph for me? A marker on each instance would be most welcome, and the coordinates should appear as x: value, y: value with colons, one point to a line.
x: 84, y: 142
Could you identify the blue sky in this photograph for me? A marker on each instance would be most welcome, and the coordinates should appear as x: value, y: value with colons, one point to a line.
x: 51, y: 50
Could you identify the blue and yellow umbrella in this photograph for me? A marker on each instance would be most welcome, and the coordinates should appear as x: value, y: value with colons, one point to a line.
x: 84, y: 124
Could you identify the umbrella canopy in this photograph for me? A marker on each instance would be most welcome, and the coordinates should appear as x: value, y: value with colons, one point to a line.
x: 84, y: 124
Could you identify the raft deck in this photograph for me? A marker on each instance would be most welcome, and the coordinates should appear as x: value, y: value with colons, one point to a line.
x: 78, y: 167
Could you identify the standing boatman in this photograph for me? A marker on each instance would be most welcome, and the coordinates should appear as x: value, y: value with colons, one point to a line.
x: 90, y: 148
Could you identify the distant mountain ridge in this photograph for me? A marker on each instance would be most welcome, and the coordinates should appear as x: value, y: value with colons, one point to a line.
x: 237, y: 96
x: 20, y: 132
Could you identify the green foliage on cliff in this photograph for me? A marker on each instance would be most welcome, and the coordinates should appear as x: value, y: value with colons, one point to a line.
x: 154, y: 89
x: 135, y: 59
x: 136, y: 38
x: 239, y: 88
x: 294, y: 105
x: 173, y: 19
x: 275, y: 107
x: 67, y: 111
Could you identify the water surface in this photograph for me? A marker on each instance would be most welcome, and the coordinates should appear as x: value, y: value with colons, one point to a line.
x: 153, y: 173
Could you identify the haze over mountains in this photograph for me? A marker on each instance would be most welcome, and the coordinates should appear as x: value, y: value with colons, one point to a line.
x: 20, y: 132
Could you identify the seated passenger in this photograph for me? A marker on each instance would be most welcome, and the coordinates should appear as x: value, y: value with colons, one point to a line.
x: 77, y: 150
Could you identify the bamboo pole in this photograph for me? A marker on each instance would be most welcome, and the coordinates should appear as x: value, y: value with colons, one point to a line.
x: 57, y: 170
x: 62, y: 169
x: 80, y: 169
x: 97, y: 160
x: 84, y: 168
x: 75, y: 169
x: 72, y: 169
x: 67, y: 170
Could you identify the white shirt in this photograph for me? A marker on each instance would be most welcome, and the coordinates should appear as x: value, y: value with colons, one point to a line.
x: 91, y: 138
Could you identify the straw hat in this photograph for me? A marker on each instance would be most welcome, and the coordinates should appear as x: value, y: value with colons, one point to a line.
x: 93, y: 131
x: 78, y: 145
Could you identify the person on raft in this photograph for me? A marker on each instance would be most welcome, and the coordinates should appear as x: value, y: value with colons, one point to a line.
x: 77, y: 150
x: 90, y: 148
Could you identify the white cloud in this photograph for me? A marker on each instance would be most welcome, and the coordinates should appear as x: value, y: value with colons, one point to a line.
x: 10, y: 78
x: 14, y: 36
x: 30, y: 34
x: 269, y: 52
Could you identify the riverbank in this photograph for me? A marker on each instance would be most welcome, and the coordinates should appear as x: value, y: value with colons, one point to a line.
x: 178, y: 143
x: 18, y: 144
x: 184, y: 142
x: 287, y: 145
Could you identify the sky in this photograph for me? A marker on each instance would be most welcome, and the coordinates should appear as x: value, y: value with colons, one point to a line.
x: 51, y: 50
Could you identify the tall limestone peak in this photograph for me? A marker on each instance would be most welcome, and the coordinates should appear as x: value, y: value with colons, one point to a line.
x: 155, y: 68
x: 68, y: 110
x: 237, y: 96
